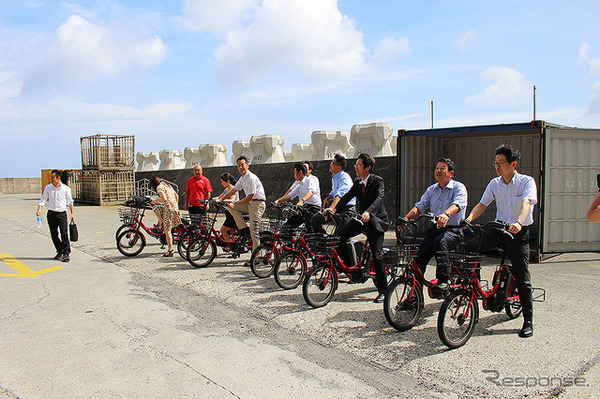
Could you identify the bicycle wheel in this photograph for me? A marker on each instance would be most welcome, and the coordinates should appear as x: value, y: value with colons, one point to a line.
x: 184, y: 241
x: 263, y: 260
x: 290, y: 270
x: 201, y: 251
x: 513, y: 307
x: 121, y: 228
x: 130, y: 242
x: 457, y: 318
x: 319, y: 285
x: 403, y: 304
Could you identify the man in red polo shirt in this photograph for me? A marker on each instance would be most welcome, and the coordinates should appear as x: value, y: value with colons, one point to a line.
x: 197, y: 188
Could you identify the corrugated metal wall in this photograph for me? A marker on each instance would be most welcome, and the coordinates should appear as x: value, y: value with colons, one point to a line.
x: 473, y: 156
x: 571, y: 165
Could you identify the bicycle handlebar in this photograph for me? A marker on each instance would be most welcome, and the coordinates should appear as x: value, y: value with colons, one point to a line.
x: 328, y: 213
x: 493, y: 224
x: 138, y: 201
x: 403, y: 221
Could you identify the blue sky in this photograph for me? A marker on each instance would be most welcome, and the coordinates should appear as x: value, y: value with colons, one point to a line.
x: 183, y: 73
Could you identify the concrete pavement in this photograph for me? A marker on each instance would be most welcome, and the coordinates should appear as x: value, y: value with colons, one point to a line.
x: 108, y: 326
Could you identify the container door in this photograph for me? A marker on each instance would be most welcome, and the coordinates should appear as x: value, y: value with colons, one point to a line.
x: 571, y: 162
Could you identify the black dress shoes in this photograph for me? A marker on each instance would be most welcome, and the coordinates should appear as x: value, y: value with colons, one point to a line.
x: 527, y: 330
x: 58, y: 257
x: 379, y: 298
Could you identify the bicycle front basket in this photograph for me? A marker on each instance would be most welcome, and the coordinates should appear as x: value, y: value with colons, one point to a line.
x: 291, y: 233
x: 321, y: 244
x: 127, y: 215
x: 462, y: 264
x: 402, y: 255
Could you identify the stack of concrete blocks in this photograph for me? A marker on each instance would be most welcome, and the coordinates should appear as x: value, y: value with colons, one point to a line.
x: 289, y: 157
x: 267, y: 148
x: 192, y: 156
x: 374, y: 139
x: 239, y: 148
x: 147, y: 161
x: 302, y: 152
x: 213, y: 155
x: 171, y: 159
x: 328, y: 143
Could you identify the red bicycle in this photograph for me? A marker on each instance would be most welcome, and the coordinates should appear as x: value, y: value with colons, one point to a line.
x: 404, y: 299
x: 322, y: 280
x: 460, y: 310
x: 202, y: 250
x: 131, y: 240
x: 292, y: 266
x: 272, y: 243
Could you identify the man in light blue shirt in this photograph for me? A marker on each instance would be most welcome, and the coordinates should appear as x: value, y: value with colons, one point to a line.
x: 447, y: 200
x: 515, y: 195
x: 341, y: 182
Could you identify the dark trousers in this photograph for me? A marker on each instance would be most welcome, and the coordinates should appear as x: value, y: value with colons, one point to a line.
x: 58, y: 221
x: 197, y: 210
x: 304, y: 216
x: 345, y: 215
x: 438, y: 240
x: 375, y: 239
x: 517, y: 250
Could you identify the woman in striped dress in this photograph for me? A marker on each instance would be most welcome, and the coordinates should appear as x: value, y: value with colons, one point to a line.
x: 166, y: 208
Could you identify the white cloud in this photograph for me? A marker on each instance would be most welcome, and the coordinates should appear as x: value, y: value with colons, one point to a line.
x: 214, y: 16
x: 585, y: 58
x: 466, y: 41
x: 85, y: 49
x: 309, y: 36
x: 584, y: 53
x: 510, y: 87
x: 389, y: 48
x: 594, y: 107
x: 71, y: 110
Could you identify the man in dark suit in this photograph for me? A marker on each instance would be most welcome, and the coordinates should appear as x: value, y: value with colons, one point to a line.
x: 369, y: 192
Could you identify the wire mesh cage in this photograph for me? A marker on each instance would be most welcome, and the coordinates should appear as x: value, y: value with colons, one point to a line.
x: 103, y: 187
x: 321, y: 244
x: 108, y: 152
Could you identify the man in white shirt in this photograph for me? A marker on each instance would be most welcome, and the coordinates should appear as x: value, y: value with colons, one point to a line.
x: 59, y: 199
x: 308, y: 193
x: 515, y: 195
x: 253, y: 203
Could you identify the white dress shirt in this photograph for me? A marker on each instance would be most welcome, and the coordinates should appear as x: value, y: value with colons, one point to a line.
x: 59, y: 198
x: 509, y: 197
x: 301, y: 190
x: 251, y: 184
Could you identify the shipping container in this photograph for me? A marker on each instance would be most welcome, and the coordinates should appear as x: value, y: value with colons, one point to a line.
x: 563, y: 161
x: 104, y: 152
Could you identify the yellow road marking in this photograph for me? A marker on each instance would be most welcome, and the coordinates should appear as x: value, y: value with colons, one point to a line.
x: 22, y: 270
